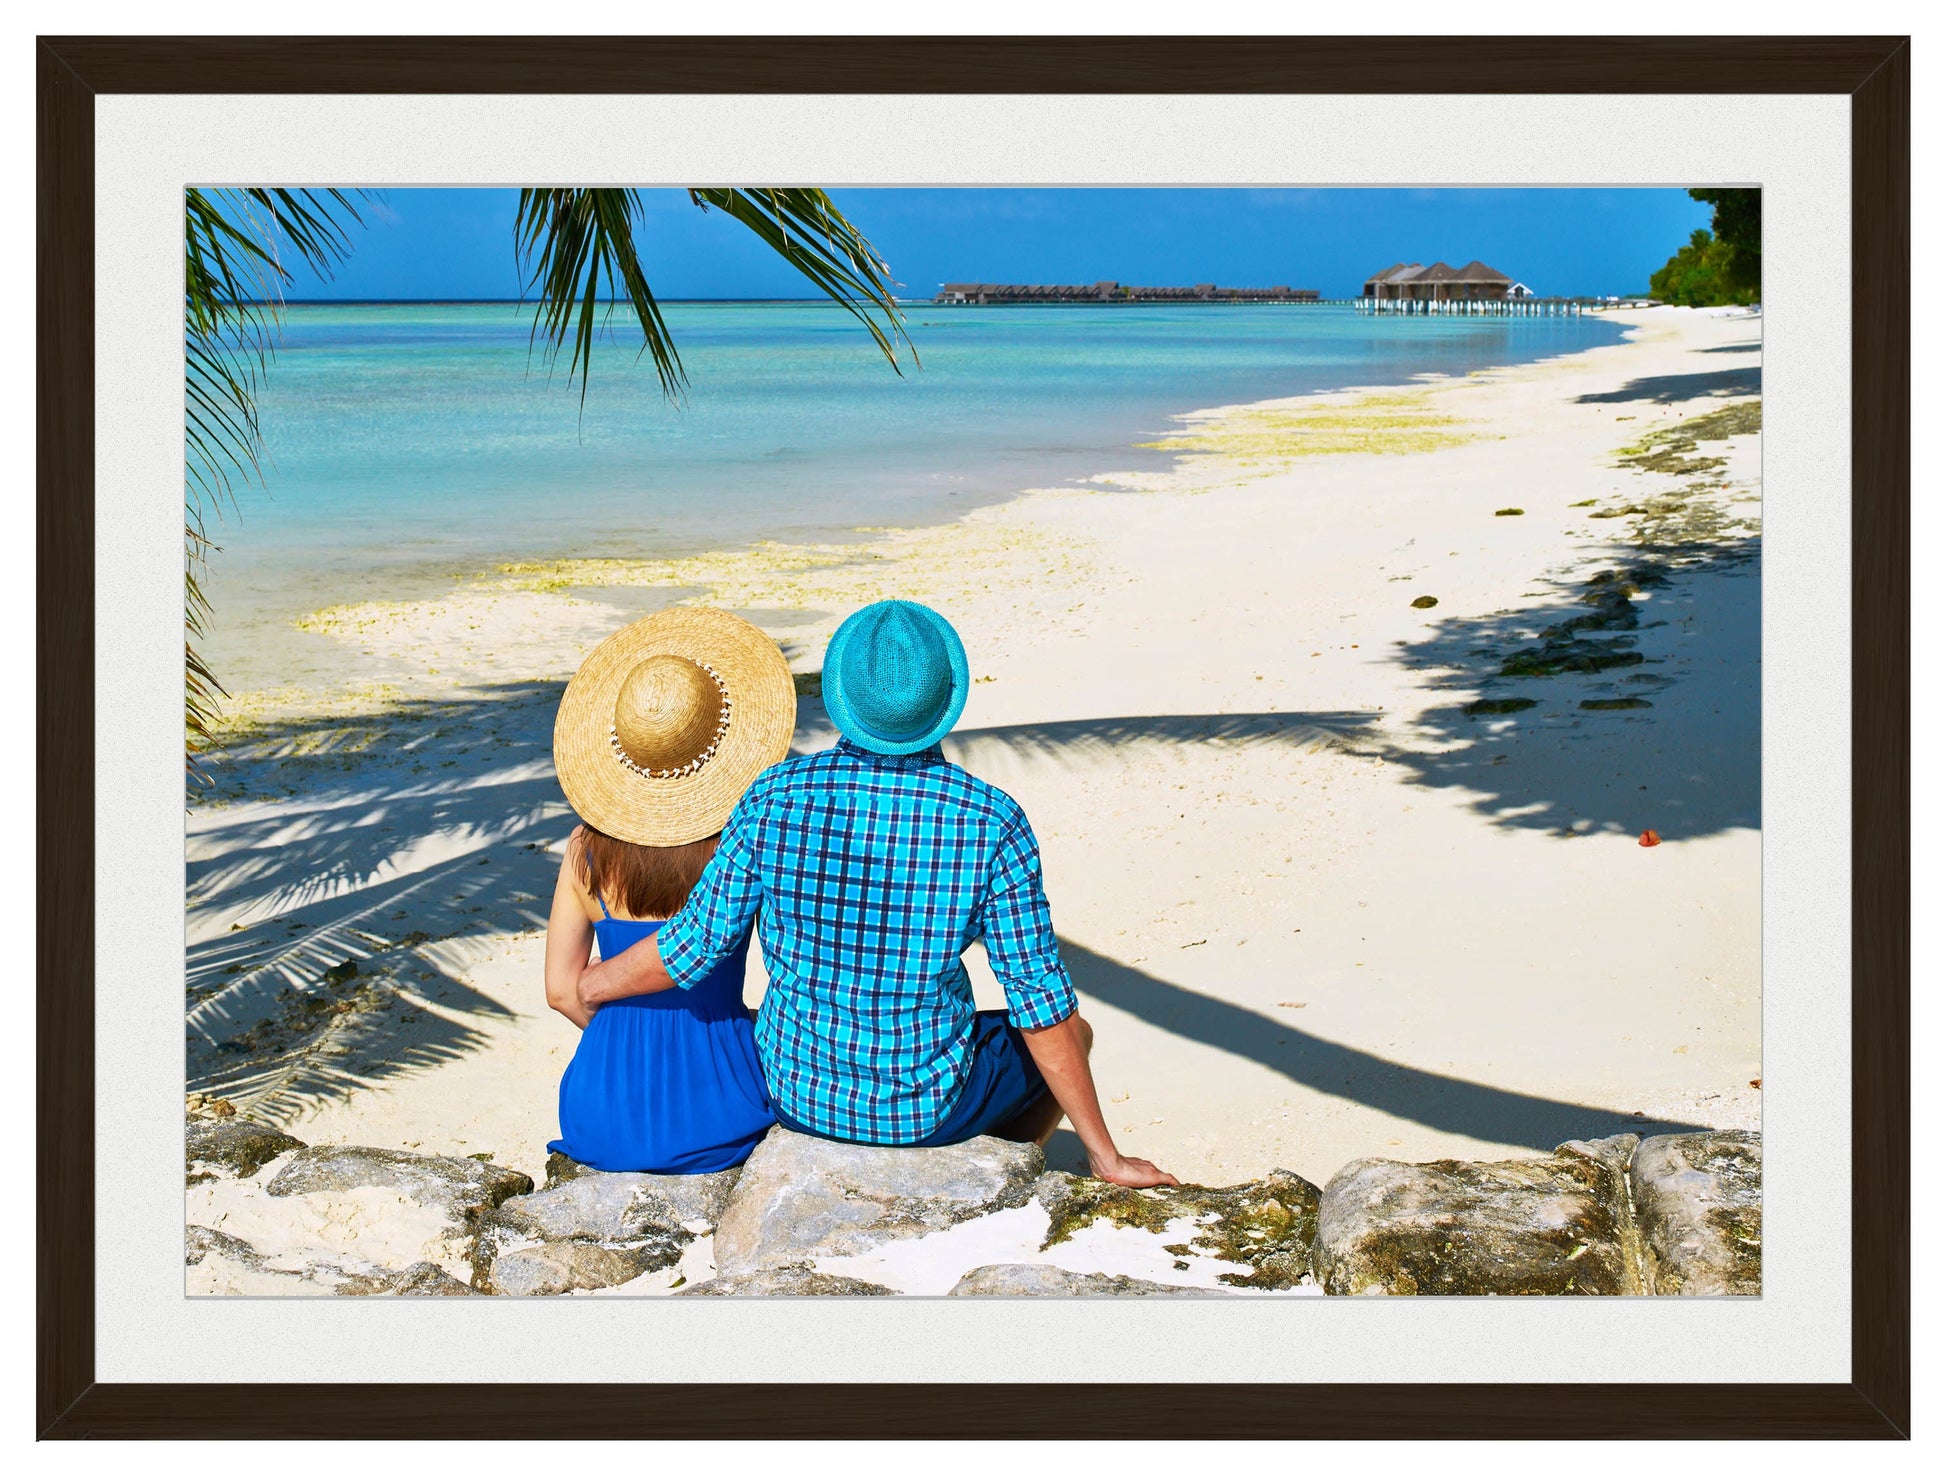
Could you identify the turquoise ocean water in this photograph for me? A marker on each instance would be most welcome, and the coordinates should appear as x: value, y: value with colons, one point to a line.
x: 409, y: 443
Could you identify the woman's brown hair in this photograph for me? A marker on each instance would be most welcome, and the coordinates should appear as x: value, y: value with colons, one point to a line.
x: 640, y: 880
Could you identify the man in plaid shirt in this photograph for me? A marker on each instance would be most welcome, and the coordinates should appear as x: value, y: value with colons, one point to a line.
x: 871, y: 868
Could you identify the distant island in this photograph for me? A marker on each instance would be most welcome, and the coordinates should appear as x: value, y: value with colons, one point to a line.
x: 1110, y: 292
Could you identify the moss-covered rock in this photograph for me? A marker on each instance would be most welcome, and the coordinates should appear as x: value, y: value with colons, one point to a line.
x: 231, y: 1145
x: 1614, y: 612
x: 1500, y: 705
x: 1552, y: 1225
x: 1699, y: 1200
x: 1267, y: 1225
x: 1570, y: 656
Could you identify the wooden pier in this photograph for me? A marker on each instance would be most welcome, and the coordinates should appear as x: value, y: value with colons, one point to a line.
x: 1526, y: 308
x: 1107, y: 291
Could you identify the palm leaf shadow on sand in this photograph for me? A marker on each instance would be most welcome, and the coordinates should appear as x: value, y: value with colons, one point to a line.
x: 1690, y: 763
x: 1732, y: 381
x: 1450, y: 1104
x: 1095, y: 736
x: 418, y: 829
x: 459, y: 847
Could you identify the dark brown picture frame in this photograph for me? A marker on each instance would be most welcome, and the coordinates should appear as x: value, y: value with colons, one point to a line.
x: 1873, y: 71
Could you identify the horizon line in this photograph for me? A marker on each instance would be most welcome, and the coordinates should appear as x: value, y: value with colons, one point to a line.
x: 726, y: 299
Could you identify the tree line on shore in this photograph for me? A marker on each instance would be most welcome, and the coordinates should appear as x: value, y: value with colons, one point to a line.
x: 1720, y: 265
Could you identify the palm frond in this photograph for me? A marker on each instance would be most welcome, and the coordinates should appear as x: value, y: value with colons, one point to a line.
x: 809, y: 232
x: 576, y: 248
x: 240, y: 248
x: 578, y: 251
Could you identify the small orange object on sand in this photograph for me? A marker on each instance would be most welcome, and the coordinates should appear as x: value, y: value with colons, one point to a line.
x: 1649, y: 838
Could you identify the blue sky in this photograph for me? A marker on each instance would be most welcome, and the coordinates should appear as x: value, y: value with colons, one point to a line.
x: 458, y: 243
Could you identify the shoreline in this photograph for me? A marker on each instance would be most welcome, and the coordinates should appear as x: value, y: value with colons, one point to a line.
x: 308, y: 556
x: 1314, y: 908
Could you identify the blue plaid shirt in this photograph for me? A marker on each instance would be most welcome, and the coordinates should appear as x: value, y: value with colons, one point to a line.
x: 874, y: 873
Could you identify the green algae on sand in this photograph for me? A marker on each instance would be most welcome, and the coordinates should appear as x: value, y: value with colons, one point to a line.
x: 1670, y: 450
x: 1257, y: 436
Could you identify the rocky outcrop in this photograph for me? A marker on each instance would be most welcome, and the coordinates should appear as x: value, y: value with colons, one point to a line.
x: 1699, y: 1201
x: 222, y: 1265
x: 589, y: 1229
x: 200, y: 1243
x: 809, y: 1218
x: 575, y: 1266
x: 675, y: 1198
x: 464, y: 1189
x: 800, y: 1199
x: 1267, y: 1225
x: 420, y: 1280
x: 785, y: 1282
x: 234, y: 1266
x: 1552, y: 1225
x: 1037, y: 1280
x: 348, y: 1221
x: 233, y: 1145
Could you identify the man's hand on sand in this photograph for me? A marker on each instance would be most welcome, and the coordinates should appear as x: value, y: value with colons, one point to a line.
x: 1134, y: 1173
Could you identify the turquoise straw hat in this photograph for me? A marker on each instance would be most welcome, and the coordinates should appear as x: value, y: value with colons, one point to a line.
x: 895, y: 677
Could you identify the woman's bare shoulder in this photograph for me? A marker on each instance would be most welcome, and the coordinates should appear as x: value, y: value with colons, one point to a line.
x: 574, y: 872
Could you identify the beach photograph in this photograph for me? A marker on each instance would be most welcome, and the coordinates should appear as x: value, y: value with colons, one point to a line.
x: 980, y: 742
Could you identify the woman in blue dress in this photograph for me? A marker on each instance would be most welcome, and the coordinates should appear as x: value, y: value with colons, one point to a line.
x: 658, y: 735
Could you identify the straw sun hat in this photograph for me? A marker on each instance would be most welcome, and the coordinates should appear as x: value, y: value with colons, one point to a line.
x: 668, y: 721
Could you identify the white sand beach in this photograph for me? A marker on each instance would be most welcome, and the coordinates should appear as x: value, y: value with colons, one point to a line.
x: 1316, y: 910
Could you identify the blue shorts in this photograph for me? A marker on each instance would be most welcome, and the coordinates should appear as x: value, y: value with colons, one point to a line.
x: 1002, y: 1082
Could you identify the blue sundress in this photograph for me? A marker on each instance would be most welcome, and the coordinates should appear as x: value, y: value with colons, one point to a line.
x: 665, y: 1083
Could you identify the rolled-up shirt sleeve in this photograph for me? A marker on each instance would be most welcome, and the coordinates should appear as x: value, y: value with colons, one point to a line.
x: 1019, y: 932
x: 719, y: 910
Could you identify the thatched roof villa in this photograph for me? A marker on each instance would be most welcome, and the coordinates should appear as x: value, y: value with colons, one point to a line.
x: 1441, y: 283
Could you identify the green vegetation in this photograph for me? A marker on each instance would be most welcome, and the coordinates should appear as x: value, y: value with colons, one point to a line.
x: 1737, y: 221
x: 1270, y: 438
x: 1723, y: 265
x: 1673, y: 450
x: 579, y: 256
x: 1697, y: 277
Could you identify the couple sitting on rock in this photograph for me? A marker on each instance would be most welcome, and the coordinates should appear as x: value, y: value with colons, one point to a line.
x: 865, y: 870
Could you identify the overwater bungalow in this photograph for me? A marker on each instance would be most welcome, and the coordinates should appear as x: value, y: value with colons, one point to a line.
x: 1440, y: 283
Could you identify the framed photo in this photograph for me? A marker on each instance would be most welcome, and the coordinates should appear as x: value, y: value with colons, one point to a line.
x: 1122, y: 686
